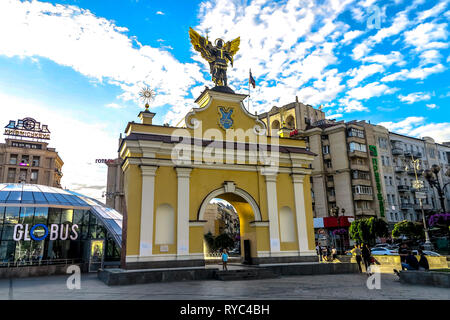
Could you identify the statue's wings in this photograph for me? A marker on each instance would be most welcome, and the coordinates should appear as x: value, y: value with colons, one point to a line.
x: 233, y: 46
x: 201, y: 44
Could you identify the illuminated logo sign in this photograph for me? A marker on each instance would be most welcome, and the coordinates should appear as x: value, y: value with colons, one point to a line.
x: 40, y: 231
x: 374, y: 154
x: 27, y: 128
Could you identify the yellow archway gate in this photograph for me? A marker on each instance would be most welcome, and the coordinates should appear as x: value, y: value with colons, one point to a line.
x: 171, y: 173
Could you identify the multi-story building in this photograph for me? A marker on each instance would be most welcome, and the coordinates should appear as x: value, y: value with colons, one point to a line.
x: 361, y: 167
x: 26, y: 158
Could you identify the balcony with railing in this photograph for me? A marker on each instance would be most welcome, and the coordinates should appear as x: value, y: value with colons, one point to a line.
x: 403, y: 188
x: 397, y: 151
x: 406, y: 206
x: 399, y: 169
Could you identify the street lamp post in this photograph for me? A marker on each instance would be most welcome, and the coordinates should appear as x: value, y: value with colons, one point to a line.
x: 433, y: 180
x: 418, y: 184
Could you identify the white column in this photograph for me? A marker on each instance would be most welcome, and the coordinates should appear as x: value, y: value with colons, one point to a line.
x: 147, y: 208
x: 183, y: 175
x: 300, y: 212
x: 272, y: 208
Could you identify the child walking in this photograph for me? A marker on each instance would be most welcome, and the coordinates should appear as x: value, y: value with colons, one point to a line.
x: 224, y: 259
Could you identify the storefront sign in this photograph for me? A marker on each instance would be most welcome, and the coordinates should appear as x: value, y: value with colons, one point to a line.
x: 27, y: 128
x: 104, y: 161
x: 56, y: 232
x: 374, y: 154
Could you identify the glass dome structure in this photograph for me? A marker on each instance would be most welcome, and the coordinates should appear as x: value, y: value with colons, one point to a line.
x: 38, y: 208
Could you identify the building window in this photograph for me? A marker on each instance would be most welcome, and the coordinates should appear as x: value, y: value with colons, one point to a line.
x: 36, y: 161
x: 326, y: 149
x: 11, y: 174
x: 23, y: 175
x: 328, y: 164
x: 432, y: 153
x: 353, y: 132
x: 25, y: 160
x: 362, y: 190
x: 390, y: 181
x: 34, y: 176
x: 382, y: 142
x: 290, y: 122
x: 357, y: 146
x: 13, y: 159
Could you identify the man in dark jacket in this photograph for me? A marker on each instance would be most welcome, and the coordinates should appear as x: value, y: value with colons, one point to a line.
x: 423, y: 262
x: 365, y: 252
x: 411, y: 262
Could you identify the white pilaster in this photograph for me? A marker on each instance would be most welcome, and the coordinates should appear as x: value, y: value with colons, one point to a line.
x: 147, y: 208
x: 272, y: 208
x: 300, y: 212
x: 183, y: 175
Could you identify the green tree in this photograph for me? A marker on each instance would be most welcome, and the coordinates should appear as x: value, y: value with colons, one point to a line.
x: 368, y: 229
x: 408, y: 229
x: 223, y: 241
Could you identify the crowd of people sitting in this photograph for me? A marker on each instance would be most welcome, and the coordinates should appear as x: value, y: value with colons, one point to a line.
x: 362, y: 254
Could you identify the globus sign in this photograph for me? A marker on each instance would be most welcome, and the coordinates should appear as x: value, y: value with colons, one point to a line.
x: 56, y: 232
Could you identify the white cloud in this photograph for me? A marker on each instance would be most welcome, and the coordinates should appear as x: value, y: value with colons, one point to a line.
x: 363, y: 72
x: 414, y: 97
x: 432, y: 106
x: 349, y: 36
x: 415, y: 73
x: 114, y: 106
x: 425, y: 36
x: 370, y: 90
x: 350, y: 105
x: 160, y: 13
x: 72, y: 138
x: 415, y: 127
x: 94, y: 47
x: 394, y: 57
x: 433, y: 11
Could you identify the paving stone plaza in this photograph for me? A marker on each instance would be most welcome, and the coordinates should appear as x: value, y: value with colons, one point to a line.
x: 317, y: 287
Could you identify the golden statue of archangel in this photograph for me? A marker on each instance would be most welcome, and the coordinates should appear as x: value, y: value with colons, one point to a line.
x: 218, y: 55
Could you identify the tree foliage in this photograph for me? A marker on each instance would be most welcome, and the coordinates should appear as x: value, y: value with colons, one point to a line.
x: 222, y: 241
x: 367, y: 230
x: 408, y: 229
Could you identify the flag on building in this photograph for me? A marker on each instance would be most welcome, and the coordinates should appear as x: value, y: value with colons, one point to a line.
x: 251, y: 80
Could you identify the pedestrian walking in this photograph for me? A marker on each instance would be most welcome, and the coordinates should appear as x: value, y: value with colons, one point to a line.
x: 224, y: 259
x: 356, y: 251
x: 365, y: 252
x: 333, y: 253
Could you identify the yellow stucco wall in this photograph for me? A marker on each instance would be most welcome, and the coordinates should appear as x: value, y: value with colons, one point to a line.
x: 133, y: 191
x: 207, y: 179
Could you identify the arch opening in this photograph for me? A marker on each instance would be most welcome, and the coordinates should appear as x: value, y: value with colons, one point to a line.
x: 228, y: 217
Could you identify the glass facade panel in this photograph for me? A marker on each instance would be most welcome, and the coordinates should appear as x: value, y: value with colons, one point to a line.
x: 12, y: 215
x: 26, y: 215
x: 40, y: 215
x: 94, y: 222
x: 54, y: 215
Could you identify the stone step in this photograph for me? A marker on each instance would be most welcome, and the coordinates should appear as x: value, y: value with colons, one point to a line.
x: 245, y: 274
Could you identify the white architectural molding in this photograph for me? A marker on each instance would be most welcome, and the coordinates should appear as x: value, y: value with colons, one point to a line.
x: 183, y: 175
x: 247, y: 197
x: 272, y: 208
x: 147, y: 208
x: 300, y: 212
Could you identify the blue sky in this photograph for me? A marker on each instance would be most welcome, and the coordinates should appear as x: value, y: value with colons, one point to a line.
x: 79, y: 65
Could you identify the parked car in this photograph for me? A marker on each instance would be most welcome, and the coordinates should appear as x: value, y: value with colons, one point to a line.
x: 382, y: 245
x: 383, y: 251
x: 427, y: 253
